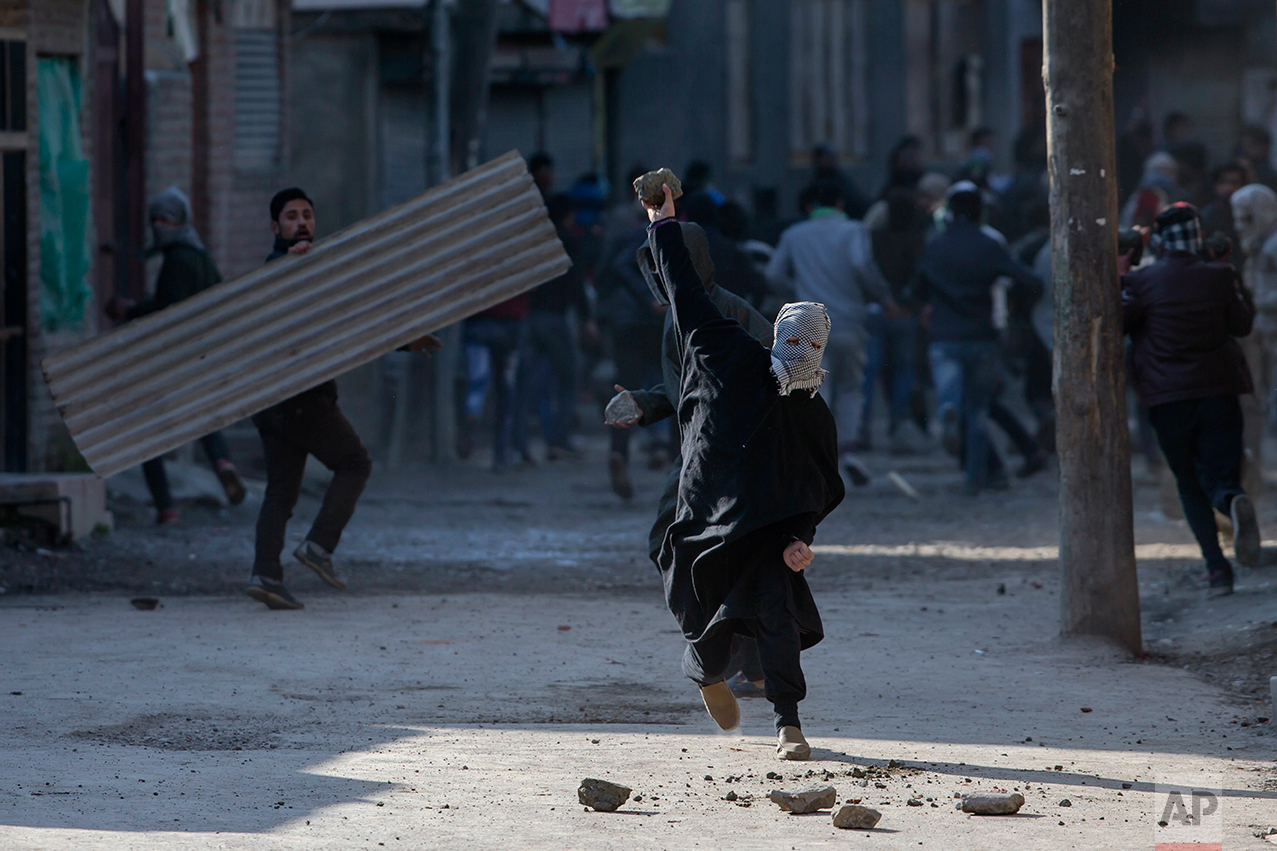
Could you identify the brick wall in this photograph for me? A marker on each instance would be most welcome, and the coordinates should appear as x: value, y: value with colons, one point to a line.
x: 55, y: 27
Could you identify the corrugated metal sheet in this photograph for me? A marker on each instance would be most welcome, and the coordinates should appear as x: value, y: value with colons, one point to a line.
x: 152, y: 385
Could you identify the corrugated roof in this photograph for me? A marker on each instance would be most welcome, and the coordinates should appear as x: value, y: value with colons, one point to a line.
x: 165, y: 379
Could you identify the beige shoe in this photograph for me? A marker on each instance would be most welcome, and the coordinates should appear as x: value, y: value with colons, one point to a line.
x: 721, y: 705
x: 791, y: 744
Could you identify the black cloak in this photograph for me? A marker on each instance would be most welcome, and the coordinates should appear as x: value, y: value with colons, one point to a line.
x: 759, y: 469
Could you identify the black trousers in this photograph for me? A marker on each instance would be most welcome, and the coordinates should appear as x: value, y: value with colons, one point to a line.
x: 157, y: 478
x: 775, y: 629
x: 1202, y: 442
x: 309, y: 424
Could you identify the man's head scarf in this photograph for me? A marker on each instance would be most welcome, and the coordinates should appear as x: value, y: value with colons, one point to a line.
x: 1255, y: 215
x: 796, y: 365
x: 175, y: 229
x: 697, y: 245
x: 1178, y: 228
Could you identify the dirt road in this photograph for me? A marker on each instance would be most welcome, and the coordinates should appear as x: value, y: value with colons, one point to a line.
x: 439, y: 703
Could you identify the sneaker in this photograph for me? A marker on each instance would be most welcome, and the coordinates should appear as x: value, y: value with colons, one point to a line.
x: 951, y: 431
x: 856, y: 470
x: 272, y: 593
x: 167, y: 517
x: 618, y: 470
x: 1246, y: 543
x: 231, y: 482
x: 721, y: 705
x: 790, y: 744
x: 319, y: 560
x: 1033, y: 465
x: 1220, y: 583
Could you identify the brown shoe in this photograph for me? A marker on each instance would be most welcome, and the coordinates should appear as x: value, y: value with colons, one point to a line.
x: 618, y: 469
x: 721, y: 705
x: 231, y: 482
x: 791, y: 744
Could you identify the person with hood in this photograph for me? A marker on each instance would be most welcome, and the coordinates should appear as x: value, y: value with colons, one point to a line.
x: 1183, y: 316
x: 187, y: 269
x: 1254, y: 209
x: 760, y: 472
x: 655, y: 405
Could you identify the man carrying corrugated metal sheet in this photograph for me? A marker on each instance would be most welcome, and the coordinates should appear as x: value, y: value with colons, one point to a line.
x: 187, y: 269
x: 309, y: 423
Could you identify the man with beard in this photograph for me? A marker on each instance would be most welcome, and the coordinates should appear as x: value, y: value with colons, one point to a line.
x: 760, y: 471
x: 309, y: 423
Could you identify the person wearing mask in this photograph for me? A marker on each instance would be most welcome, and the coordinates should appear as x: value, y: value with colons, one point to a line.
x: 187, y: 269
x: 310, y: 423
x: 829, y: 259
x: 1184, y: 316
x: 954, y: 283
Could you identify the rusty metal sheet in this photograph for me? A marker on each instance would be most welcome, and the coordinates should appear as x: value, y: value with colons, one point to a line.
x: 163, y: 380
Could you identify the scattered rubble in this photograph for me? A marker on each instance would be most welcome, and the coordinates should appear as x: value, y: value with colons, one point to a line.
x: 806, y: 801
x: 856, y: 817
x: 601, y: 795
x: 993, y: 805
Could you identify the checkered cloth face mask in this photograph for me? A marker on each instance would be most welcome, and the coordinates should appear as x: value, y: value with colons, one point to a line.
x: 1181, y: 236
x: 796, y: 365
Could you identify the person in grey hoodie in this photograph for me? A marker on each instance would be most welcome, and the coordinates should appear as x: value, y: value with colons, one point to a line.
x: 828, y: 258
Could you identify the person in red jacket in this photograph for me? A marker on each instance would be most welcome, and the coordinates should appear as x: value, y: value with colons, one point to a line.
x: 1184, y: 315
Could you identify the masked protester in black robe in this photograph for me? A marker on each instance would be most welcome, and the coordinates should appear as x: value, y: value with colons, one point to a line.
x: 760, y: 471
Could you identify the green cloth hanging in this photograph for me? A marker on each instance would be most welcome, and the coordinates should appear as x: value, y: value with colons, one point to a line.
x: 65, y: 293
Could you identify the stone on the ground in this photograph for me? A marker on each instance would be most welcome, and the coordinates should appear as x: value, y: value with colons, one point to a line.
x: 806, y: 801
x: 601, y: 795
x: 856, y: 817
x: 993, y: 805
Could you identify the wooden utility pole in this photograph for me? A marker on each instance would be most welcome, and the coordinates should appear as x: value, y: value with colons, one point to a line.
x: 1100, y: 591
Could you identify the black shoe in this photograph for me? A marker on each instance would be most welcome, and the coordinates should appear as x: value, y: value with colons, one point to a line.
x: 319, y: 560
x: 272, y: 593
x: 1034, y: 464
x: 1246, y: 543
x: 1220, y: 583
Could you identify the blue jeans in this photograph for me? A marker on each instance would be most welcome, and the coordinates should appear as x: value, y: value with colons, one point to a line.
x: 546, y: 337
x: 892, y: 343
x: 490, y: 344
x: 967, y: 376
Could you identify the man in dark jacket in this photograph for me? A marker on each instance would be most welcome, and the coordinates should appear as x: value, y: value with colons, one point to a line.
x: 187, y: 269
x: 309, y: 423
x: 955, y: 281
x: 1183, y: 316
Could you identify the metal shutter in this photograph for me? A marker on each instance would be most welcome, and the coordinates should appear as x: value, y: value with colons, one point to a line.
x: 256, y: 100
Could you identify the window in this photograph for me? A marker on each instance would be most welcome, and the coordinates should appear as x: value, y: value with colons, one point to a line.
x: 257, y: 108
x: 828, y: 76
